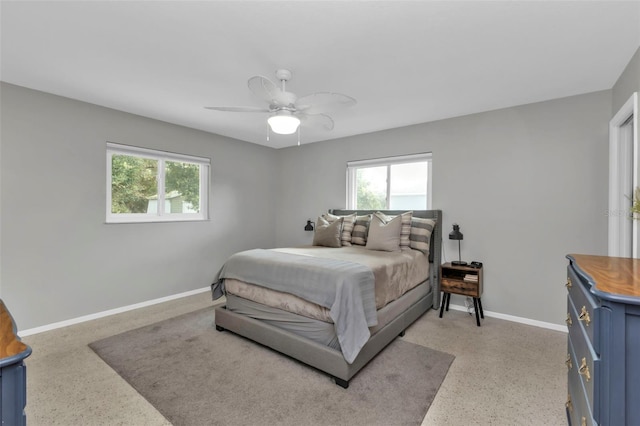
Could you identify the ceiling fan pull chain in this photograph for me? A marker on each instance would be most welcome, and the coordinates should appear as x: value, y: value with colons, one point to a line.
x: 299, y: 135
x: 267, y: 132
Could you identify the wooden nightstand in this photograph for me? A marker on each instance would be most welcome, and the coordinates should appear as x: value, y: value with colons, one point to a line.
x: 462, y: 280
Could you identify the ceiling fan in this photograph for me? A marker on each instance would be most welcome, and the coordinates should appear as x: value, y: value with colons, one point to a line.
x: 286, y: 110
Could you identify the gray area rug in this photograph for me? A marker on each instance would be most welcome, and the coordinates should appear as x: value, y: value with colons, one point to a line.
x: 195, y: 375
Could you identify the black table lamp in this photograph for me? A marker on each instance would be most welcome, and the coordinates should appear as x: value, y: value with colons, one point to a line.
x: 457, y: 235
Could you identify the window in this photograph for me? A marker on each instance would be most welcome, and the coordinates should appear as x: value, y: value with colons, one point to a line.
x: 144, y: 185
x: 394, y: 183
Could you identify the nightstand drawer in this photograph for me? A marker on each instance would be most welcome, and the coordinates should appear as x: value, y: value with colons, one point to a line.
x: 460, y: 287
x: 587, y: 310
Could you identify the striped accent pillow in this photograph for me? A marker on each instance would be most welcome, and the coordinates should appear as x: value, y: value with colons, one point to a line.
x: 360, y: 230
x: 347, y: 226
x: 420, y: 236
x: 405, y: 231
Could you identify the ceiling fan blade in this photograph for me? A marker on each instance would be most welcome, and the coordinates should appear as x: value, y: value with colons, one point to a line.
x: 320, y: 120
x: 239, y: 109
x: 266, y: 90
x: 320, y: 102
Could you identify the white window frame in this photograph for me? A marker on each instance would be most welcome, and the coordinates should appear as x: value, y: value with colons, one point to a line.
x: 162, y: 157
x: 353, y: 166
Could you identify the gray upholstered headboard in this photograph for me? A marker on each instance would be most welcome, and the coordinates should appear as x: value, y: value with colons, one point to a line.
x: 435, y: 252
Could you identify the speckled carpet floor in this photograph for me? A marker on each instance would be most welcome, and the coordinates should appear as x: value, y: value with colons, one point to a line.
x: 195, y: 375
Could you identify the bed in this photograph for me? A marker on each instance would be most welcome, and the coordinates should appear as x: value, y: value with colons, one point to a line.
x: 338, y: 333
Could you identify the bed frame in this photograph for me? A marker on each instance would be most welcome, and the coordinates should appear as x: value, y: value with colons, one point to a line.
x: 324, y: 358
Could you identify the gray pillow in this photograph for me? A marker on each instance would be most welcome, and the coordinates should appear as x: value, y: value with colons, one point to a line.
x: 327, y: 233
x: 360, y: 229
x: 421, y: 229
x: 384, y: 236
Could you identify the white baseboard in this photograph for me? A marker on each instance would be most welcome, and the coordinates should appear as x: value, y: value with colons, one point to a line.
x: 103, y: 314
x: 521, y: 320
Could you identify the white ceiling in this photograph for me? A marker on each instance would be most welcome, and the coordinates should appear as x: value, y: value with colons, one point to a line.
x: 406, y: 62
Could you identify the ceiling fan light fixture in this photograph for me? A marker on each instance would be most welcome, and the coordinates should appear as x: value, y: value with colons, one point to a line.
x: 283, y: 123
x: 285, y: 110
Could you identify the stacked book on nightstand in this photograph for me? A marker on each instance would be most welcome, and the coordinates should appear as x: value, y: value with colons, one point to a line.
x: 472, y: 278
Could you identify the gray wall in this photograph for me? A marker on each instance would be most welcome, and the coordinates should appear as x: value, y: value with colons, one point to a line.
x: 59, y: 258
x: 526, y: 184
x: 628, y: 83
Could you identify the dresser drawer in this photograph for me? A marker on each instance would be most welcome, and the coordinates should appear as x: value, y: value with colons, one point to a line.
x: 587, y: 310
x: 585, y: 362
x: 579, y: 410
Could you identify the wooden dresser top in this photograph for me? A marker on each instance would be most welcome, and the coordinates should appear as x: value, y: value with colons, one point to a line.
x: 613, y: 275
x: 10, y: 344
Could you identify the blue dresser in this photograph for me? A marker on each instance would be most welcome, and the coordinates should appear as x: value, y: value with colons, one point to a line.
x: 603, y: 348
x: 13, y: 372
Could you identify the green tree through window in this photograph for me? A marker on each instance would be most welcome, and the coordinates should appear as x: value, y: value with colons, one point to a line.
x: 184, y: 178
x: 133, y: 181
x: 367, y: 198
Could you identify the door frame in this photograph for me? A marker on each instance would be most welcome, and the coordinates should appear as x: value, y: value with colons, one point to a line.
x: 620, y: 230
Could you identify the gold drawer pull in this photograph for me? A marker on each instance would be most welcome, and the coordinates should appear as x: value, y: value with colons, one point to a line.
x: 584, y: 370
x: 584, y: 316
x: 568, y: 320
x: 568, y: 362
x: 568, y: 284
x: 583, y: 421
x: 568, y: 404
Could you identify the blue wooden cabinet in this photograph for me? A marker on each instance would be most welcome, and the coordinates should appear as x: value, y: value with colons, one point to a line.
x: 13, y: 372
x: 603, y: 348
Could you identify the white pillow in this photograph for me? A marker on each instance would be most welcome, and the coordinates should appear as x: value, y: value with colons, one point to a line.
x: 384, y: 236
x: 405, y: 230
x: 327, y: 233
x: 347, y: 226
